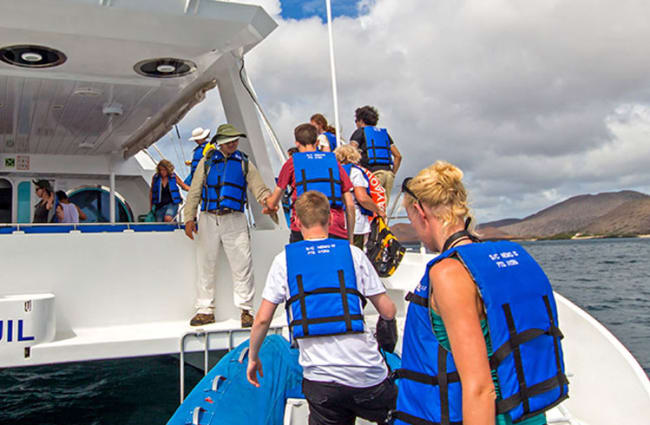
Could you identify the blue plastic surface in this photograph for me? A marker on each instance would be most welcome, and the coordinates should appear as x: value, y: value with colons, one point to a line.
x: 238, y: 402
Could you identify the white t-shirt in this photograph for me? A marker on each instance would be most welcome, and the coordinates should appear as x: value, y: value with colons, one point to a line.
x: 70, y: 213
x: 361, y: 222
x: 322, y: 141
x: 351, y: 359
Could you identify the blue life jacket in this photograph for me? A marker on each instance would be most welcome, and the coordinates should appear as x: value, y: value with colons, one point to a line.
x: 331, y: 138
x: 318, y: 171
x: 324, y: 299
x: 225, y: 182
x: 523, y: 330
x: 377, y: 146
x: 197, y: 154
x: 156, y: 192
x: 348, y: 169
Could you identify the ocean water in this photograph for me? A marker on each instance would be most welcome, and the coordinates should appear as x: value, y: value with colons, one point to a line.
x: 609, y: 278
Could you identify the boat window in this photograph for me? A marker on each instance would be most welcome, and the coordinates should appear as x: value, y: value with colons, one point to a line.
x: 23, y: 207
x: 95, y: 202
x: 6, y: 195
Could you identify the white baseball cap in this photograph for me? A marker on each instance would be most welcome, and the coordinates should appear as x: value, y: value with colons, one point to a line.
x: 199, y: 133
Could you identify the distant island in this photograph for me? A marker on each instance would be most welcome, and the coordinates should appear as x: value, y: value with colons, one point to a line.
x: 605, y: 215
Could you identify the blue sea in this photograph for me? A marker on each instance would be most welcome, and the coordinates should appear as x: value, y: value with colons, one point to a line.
x: 610, y: 278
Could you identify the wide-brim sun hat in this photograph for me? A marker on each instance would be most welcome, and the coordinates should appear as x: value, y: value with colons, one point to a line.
x: 199, y: 133
x: 227, y: 133
x: 43, y: 184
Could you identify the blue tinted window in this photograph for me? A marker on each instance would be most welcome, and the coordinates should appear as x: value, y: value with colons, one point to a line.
x: 24, y: 202
x: 95, y: 203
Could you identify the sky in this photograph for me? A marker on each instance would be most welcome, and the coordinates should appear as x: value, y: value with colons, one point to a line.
x: 535, y: 101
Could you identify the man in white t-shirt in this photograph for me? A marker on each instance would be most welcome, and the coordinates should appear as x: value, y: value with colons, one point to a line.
x: 344, y: 374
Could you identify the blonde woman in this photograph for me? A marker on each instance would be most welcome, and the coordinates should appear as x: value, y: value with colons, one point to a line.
x: 164, y: 193
x: 481, y: 343
x: 348, y: 156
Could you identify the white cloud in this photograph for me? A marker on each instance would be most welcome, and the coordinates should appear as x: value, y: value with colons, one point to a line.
x: 536, y: 101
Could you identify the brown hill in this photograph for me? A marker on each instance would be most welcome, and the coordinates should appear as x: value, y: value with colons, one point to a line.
x: 605, y: 214
x: 572, y: 215
x: 499, y: 223
x: 404, y: 232
x: 632, y: 217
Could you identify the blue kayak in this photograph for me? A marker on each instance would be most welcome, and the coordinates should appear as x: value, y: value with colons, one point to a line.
x: 224, y: 396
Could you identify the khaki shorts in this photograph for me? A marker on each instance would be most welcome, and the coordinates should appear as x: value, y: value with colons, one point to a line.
x: 386, y: 178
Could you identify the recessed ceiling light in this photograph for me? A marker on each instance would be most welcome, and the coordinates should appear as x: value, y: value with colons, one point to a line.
x: 165, y: 67
x: 31, y: 56
x: 87, y: 92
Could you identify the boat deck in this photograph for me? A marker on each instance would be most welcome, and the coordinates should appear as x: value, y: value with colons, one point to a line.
x: 148, y: 339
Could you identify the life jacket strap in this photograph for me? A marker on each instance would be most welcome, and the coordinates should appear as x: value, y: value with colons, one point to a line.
x: 350, y: 291
x: 518, y: 339
x: 304, y: 182
x: 423, y: 378
x: 414, y: 420
x: 342, y: 289
x: 513, y: 346
x: 417, y: 299
x: 319, y: 320
x: 559, y: 380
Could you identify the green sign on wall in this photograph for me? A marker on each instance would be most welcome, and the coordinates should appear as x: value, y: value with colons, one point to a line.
x: 10, y: 162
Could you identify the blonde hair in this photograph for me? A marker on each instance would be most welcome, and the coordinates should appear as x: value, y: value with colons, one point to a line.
x: 347, y: 154
x: 312, y: 209
x: 440, y: 187
x: 166, y: 165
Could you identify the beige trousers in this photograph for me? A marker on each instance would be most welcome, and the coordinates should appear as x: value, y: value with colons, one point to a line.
x: 386, y: 178
x: 231, y: 230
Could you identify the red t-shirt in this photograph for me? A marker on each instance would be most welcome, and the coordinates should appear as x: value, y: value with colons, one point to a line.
x: 337, y: 219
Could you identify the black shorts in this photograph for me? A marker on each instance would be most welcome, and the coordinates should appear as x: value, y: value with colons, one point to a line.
x: 336, y: 404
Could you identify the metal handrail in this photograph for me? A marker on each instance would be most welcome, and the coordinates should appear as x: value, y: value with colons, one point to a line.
x: 206, y: 341
x: 76, y: 226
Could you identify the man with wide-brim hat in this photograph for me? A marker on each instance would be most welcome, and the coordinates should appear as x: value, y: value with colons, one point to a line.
x: 200, y: 136
x: 220, y: 184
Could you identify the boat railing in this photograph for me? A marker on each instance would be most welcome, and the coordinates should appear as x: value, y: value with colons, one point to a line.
x: 233, y: 337
x: 54, y: 228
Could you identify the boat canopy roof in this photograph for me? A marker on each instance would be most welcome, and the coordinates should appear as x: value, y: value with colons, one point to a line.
x: 99, y: 77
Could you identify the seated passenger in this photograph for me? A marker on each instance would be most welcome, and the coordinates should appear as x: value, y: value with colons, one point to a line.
x: 364, y: 206
x: 164, y: 193
x: 66, y: 211
x: 327, y: 141
x: 44, y: 210
x: 309, y: 169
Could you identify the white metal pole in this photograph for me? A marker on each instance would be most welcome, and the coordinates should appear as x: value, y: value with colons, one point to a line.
x: 112, y: 197
x: 333, y: 69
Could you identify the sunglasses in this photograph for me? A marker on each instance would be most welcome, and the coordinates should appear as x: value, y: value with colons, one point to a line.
x: 405, y: 188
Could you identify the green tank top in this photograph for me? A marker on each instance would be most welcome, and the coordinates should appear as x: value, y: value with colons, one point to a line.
x: 443, y: 339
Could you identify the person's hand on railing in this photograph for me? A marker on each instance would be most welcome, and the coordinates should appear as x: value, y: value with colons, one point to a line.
x: 190, y: 229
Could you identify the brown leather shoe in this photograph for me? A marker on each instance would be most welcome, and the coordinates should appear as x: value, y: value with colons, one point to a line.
x: 246, y: 319
x: 202, y: 319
